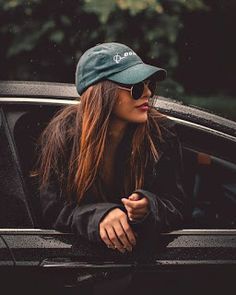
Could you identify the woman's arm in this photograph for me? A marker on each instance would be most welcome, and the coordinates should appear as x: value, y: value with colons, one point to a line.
x: 65, y: 216
x: 97, y: 222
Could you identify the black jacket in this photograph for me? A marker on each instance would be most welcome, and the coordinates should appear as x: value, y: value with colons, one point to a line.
x: 163, y: 187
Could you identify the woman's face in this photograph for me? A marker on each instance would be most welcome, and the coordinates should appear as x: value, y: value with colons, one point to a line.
x: 128, y: 110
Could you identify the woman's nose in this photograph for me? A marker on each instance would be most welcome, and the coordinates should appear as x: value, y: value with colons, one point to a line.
x: 147, y: 92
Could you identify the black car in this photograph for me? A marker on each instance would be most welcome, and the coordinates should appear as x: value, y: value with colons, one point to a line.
x: 198, y: 259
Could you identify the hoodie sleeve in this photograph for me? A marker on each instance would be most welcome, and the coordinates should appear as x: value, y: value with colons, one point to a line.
x: 169, y: 204
x: 65, y: 216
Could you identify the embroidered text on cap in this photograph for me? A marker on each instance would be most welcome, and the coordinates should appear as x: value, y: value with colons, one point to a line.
x: 117, y: 58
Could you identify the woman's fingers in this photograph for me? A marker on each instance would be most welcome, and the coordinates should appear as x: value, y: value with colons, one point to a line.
x: 104, y: 236
x: 110, y: 239
x: 135, y: 204
x: 120, y: 233
x: 136, y: 216
x: 115, y: 239
x: 116, y: 232
x: 134, y: 197
x: 136, y: 209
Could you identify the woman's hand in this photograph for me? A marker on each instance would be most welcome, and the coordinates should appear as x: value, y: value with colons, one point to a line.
x: 116, y: 232
x: 136, y: 206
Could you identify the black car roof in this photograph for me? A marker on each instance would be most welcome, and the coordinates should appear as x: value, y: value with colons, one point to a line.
x: 38, y: 89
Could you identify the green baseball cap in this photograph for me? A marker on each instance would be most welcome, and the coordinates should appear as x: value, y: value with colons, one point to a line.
x: 115, y: 62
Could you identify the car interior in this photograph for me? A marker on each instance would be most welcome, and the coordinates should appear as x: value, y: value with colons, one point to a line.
x: 209, y: 170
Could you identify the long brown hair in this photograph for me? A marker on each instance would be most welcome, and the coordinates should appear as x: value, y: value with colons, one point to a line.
x: 73, y: 143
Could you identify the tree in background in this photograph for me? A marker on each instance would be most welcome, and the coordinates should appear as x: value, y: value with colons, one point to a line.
x: 193, y: 39
x: 42, y: 40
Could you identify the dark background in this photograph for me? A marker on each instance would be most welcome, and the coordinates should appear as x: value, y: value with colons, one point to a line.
x: 194, y: 40
x: 207, y: 48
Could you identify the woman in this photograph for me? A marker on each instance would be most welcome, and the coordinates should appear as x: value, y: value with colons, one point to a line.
x: 110, y: 166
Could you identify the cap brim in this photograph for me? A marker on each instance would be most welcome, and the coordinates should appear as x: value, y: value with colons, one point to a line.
x: 138, y: 73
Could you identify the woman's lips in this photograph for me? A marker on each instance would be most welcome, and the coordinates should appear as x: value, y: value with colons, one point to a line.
x: 143, y: 107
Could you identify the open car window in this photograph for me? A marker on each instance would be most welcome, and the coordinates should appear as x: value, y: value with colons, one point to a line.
x: 209, y: 165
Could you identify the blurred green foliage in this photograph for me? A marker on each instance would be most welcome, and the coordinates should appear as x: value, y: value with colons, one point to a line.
x: 53, y: 34
x: 105, y: 7
x: 43, y: 40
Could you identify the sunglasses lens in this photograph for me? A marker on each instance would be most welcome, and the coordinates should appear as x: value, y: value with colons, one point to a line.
x: 137, y: 90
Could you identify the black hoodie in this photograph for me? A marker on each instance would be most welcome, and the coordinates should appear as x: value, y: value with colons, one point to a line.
x: 169, y: 205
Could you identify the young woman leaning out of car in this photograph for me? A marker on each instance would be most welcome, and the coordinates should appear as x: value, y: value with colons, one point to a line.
x: 111, y: 165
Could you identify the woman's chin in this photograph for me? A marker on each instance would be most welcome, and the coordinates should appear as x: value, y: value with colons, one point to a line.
x: 142, y: 119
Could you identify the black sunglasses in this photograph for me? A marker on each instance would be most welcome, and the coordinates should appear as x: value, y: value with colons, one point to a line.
x: 138, y: 88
